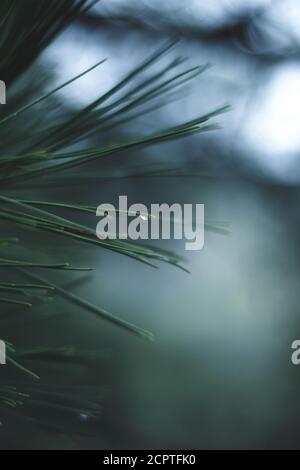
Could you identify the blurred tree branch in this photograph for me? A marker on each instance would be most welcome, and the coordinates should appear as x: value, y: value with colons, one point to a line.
x: 248, y: 31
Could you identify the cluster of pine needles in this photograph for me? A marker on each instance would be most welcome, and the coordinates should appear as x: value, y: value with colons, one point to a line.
x: 46, y: 149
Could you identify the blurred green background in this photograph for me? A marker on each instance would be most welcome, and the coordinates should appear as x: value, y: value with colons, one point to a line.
x: 219, y: 374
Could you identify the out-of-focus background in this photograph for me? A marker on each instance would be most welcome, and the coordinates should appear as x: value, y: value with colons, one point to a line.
x: 219, y: 374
